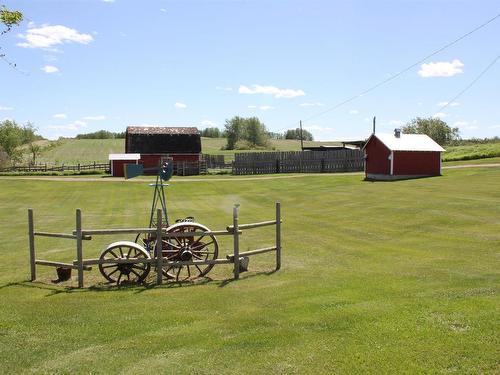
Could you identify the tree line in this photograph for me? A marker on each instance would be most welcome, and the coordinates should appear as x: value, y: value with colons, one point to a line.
x: 12, y: 137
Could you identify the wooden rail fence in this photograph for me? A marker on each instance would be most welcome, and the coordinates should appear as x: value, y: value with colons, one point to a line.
x: 57, y: 168
x: 298, y: 162
x: 80, y: 235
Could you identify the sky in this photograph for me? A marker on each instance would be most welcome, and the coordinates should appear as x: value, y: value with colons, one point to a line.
x: 87, y: 65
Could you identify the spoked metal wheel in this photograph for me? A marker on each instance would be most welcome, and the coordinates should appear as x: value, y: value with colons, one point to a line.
x: 122, y: 271
x: 189, y: 248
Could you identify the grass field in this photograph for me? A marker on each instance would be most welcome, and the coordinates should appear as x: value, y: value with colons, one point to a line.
x: 397, y: 277
x: 469, y: 152
x: 74, y: 151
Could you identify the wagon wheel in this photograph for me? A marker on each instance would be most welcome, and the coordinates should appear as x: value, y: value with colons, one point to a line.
x: 124, y: 272
x: 197, y: 247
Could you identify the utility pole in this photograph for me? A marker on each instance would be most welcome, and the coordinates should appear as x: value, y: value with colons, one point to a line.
x: 301, y: 137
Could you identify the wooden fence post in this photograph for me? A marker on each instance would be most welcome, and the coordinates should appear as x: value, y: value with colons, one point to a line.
x: 278, y: 235
x: 31, y: 230
x: 79, y: 252
x: 159, y: 245
x: 236, y: 243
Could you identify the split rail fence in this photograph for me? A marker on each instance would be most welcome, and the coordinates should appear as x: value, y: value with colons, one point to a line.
x: 298, y: 162
x: 81, y: 235
x: 57, y: 168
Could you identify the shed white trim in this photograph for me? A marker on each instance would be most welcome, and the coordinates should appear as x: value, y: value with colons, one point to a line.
x: 124, y: 156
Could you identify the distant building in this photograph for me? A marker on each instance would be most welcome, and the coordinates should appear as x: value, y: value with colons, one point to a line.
x: 401, y: 156
x: 117, y: 162
x: 148, y: 145
x: 153, y: 143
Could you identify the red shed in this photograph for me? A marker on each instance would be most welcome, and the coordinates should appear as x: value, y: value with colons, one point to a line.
x: 400, y: 156
x: 117, y: 162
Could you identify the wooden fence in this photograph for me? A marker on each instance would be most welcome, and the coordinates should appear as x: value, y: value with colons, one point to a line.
x: 298, y: 162
x: 79, y: 234
x: 57, y: 168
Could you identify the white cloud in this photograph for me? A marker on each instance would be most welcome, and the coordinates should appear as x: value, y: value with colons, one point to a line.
x: 452, y: 104
x: 60, y: 115
x: 6, y: 108
x: 271, y: 90
x: 208, y: 124
x: 163, y: 10
x: 95, y: 118
x: 252, y: 106
x: 49, y: 36
x: 317, y: 104
x: 108, y: 1
x: 441, y: 69
x: 494, y: 127
x: 221, y: 88
x: 180, y: 105
x: 50, y: 69
x: 72, y: 126
x: 353, y: 112
x: 440, y: 115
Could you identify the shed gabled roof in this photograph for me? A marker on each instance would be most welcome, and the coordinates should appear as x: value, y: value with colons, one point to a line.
x: 408, y: 142
x: 161, y: 130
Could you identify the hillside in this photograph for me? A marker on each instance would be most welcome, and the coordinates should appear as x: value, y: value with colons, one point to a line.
x: 74, y: 151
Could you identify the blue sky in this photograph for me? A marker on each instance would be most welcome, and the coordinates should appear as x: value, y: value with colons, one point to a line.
x: 94, y: 64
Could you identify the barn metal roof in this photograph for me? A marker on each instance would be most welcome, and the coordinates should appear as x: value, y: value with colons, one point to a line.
x: 409, y: 142
x: 161, y: 130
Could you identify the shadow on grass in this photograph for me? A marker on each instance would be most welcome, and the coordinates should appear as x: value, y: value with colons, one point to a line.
x: 56, y: 289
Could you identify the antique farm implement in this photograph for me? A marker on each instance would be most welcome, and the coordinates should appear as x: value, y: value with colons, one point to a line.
x: 184, y: 250
x: 189, y: 240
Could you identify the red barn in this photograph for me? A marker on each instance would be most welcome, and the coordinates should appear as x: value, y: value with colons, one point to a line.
x: 182, y: 144
x: 400, y: 156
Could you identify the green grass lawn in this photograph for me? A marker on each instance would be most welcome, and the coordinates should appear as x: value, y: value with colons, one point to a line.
x: 397, y: 277
x: 468, y: 152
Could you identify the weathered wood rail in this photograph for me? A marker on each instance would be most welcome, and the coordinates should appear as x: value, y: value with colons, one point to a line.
x: 298, y: 162
x: 80, y: 235
x: 57, y: 168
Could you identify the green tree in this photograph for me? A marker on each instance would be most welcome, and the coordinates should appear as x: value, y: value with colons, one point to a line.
x: 234, y: 131
x: 211, y: 132
x: 255, y: 133
x: 35, y: 150
x: 13, y: 135
x: 435, y: 128
x: 295, y: 134
x: 245, y: 133
x: 9, y: 19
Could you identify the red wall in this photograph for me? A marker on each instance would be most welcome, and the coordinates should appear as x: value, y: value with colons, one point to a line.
x: 153, y: 160
x: 117, y: 167
x: 150, y: 161
x: 417, y: 163
x: 377, y: 154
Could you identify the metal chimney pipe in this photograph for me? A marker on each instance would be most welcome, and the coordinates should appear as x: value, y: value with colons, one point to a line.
x: 397, y: 133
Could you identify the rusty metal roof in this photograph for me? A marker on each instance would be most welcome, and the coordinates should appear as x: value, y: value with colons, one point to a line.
x: 161, y: 130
